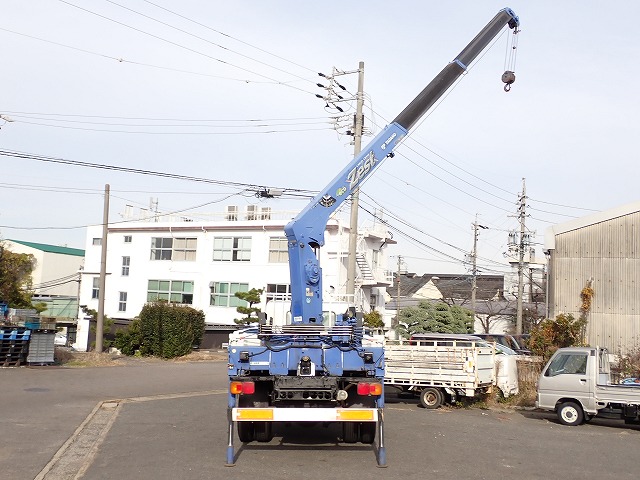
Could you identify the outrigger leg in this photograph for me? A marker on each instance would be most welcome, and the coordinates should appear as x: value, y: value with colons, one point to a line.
x: 230, y: 449
x: 382, y: 452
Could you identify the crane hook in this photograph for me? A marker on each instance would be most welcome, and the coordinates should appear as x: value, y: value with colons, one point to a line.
x: 508, y: 78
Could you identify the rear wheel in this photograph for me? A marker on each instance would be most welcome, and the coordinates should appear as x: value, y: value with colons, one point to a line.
x: 431, y: 398
x: 363, y: 432
x: 246, y: 432
x: 570, y: 413
x: 367, y: 432
x: 350, y: 432
x: 263, y: 431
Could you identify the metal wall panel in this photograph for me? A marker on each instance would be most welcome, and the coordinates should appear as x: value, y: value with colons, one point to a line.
x: 608, y: 253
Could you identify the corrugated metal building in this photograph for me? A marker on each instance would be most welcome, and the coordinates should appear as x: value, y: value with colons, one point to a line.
x: 603, y: 248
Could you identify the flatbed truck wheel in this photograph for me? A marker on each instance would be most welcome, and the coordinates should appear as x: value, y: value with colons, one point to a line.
x: 431, y: 398
x: 570, y: 413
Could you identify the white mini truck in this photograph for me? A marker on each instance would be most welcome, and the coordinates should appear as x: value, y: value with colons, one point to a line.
x: 576, y: 384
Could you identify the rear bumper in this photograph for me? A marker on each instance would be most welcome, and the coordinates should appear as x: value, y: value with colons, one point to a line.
x: 271, y: 414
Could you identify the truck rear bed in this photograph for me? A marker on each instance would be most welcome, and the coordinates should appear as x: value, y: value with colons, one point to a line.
x: 465, y: 368
x: 622, y: 394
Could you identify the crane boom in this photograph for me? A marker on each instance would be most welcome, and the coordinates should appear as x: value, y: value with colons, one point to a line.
x: 305, y: 233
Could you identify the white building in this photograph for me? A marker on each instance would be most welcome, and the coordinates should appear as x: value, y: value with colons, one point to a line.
x: 203, y: 263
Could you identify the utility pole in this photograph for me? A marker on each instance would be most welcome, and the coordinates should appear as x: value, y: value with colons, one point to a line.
x: 153, y: 208
x: 398, y: 294
x: 474, y: 265
x: 353, y: 225
x: 103, y: 272
x: 521, y: 246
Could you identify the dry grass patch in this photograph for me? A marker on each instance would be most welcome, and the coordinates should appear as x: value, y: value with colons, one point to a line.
x: 204, y: 356
x: 85, y: 359
x: 70, y: 358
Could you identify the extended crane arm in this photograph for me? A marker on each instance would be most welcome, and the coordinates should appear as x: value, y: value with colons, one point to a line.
x: 305, y: 233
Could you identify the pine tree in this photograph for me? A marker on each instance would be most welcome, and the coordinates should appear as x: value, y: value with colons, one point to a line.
x: 251, y: 297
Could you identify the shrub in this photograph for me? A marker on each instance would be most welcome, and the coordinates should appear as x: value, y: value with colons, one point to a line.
x: 163, y: 330
x: 373, y: 319
x: 629, y: 364
x: 130, y: 339
x: 549, y: 335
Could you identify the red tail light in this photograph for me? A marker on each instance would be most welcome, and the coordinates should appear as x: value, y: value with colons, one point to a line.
x: 369, y: 389
x: 245, y: 388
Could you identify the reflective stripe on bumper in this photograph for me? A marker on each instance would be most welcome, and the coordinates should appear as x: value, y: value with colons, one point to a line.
x: 305, y: 414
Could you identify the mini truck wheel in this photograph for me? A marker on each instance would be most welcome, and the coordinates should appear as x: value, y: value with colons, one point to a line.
x: 431, y: 398
x: 570, y: 413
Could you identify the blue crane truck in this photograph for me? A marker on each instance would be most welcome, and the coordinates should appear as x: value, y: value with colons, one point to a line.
x: 311, y: 369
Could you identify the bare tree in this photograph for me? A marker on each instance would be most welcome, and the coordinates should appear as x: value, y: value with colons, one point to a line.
x: 494, y: 310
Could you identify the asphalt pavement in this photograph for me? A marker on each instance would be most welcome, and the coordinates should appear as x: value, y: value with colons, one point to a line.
x: 166, y: 420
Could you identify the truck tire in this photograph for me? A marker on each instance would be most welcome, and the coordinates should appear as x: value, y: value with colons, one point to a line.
x: 431, y: 398
x: 570, y: 413
x: 263, y: 431
x: 367, y: 432
x: 350, y: 432
x: 246, y: 432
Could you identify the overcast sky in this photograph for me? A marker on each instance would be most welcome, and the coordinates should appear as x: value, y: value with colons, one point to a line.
x: 225, y: 91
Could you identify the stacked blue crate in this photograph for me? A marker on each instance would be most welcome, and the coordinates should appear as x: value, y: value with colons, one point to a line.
x: 14, y: 346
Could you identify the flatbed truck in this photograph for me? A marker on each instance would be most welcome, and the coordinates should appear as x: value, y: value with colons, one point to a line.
x: 576, y: 385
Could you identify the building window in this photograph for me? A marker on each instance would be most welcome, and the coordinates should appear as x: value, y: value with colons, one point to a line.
x: 278, y: 250
x: 168, y: 248
x: 278, y: 291
x: 126, y: 262
x: 232, y: 249
x: 127, y: 239
x: 172, y: 291
x: 161, y: 248
x: 95, y: 291
x: 122, y: 304
x: 223, y: 294
x: 184, y: 249
x: 96, y: 241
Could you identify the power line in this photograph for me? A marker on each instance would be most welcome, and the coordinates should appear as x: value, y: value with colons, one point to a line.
x: 184, y: 47
x: 48, y: 159
x: 94, y: 191
x: 142, y: 64
x: 141, y: 132
x: 204, y: 39
x: 564, y: 206
x: 168, y: 119
x: 227, y: 35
